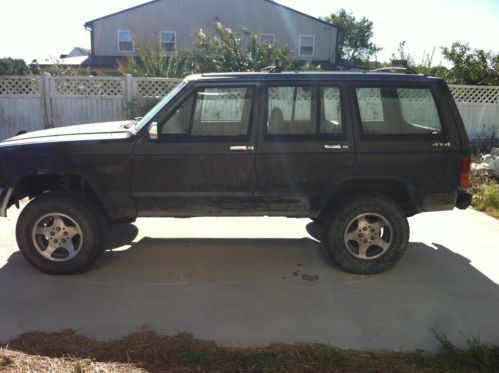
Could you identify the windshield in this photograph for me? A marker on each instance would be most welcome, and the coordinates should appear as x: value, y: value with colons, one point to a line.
x: 155, y: 110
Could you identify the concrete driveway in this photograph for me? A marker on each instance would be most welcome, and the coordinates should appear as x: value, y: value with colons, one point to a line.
x: 253, y: 281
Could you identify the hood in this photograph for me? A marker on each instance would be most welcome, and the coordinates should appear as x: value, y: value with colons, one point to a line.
x: 93, y: 131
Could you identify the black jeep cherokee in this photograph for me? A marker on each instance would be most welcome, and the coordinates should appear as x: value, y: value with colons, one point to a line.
x: 358, y: 152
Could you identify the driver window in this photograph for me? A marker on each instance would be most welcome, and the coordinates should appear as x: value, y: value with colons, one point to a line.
x: 178, y: 124
x: 212, y: 112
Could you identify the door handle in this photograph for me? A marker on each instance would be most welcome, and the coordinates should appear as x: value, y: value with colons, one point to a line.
x: 336, y: 147
x: 242, y: 148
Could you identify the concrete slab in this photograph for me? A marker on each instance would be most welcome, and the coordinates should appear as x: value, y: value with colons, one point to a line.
x: 253, y: 281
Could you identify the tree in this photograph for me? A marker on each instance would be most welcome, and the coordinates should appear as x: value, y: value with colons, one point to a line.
x: 355, y: 45
x: 12, y: 66
x: 471, y: 66
x: 220, y: 51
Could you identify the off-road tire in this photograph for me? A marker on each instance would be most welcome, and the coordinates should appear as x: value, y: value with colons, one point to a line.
x: 90, y: 223
x: 341, y: 218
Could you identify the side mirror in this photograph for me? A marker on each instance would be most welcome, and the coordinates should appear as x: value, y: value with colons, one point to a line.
x: 153, y: 131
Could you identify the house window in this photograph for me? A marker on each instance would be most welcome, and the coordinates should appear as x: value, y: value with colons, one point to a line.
x: 169, y: 40
x: 125, y: 41
x: 307, y: 44
x: 268, y: 39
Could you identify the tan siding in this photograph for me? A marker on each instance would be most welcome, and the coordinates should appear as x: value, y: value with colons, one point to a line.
x: 186, y: 16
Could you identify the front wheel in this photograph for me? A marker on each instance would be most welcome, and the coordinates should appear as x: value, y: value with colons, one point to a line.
x: 60, y: 233
x: 368, y: 234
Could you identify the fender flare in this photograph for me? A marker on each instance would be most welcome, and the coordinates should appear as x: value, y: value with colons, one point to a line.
x: 334, y: 186
x: 60, y: 169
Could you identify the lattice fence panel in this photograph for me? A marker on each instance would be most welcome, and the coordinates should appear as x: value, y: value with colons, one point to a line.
x: 20, y: 86
x: 89, y: 87
x: 151, y: 87
x: 475, y: 94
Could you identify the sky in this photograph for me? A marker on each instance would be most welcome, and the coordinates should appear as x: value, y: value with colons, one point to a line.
x: 40, y: 29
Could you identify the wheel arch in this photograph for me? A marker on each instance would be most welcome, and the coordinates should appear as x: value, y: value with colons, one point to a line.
x: 394, y: 187
x: 20, y: 185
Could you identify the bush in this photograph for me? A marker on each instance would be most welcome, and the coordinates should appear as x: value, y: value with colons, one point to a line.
x: 485, y: 190
x: 220, y: 51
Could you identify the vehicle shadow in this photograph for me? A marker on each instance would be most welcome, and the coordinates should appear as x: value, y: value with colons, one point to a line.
x: 253, y: 292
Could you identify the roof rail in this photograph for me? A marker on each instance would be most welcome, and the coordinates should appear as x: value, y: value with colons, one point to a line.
x: 276, y: 67
x: 396, y: 69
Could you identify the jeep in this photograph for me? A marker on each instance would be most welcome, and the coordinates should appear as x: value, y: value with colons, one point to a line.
x: 355, y: 152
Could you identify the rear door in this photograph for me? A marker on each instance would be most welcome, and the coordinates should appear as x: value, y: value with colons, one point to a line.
x: 405, y: 130
x: 203, y: 161
x: 304, y: 140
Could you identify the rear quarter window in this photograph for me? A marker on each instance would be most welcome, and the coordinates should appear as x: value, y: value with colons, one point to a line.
x: 398, y: 111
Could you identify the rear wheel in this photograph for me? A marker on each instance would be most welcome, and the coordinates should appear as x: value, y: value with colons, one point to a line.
x: 60, y: 233
x: 368, y: 234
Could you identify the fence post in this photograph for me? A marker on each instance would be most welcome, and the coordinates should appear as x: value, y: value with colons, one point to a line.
x: 128, y: 92
x: 129, y: 88
x: 47, y: 103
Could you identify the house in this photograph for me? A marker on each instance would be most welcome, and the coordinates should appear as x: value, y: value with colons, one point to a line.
x: 75, y: 58
x: 175, y: 21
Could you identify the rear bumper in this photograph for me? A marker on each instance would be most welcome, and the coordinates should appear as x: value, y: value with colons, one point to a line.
x: 463, y: 200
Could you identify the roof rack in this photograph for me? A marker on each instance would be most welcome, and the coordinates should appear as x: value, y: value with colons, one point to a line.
x: 395, y: 69
x: 274, y: 68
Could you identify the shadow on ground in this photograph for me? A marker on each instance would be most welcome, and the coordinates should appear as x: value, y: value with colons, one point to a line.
x: 244, y: 292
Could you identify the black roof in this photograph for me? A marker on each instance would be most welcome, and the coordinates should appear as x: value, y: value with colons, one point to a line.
x: 311, y: 76
x: 90, y: 23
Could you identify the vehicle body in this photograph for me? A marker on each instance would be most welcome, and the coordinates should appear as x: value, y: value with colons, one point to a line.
x: 255, y: 144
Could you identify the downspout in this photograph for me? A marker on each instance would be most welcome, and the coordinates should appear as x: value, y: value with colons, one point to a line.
x: 92, y: 38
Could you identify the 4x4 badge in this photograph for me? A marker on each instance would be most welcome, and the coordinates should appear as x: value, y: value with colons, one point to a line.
x: 441, y: 145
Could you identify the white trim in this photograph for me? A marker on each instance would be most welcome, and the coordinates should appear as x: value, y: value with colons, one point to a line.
x: 162, y: 42
x: 132, y: 41
x: 300, y: 45
x: 268, y: 34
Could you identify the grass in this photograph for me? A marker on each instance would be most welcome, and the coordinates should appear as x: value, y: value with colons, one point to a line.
x: 485, y: 191
x: 147, y: 352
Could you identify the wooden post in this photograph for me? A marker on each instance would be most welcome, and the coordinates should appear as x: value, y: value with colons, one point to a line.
x: 46, y: 100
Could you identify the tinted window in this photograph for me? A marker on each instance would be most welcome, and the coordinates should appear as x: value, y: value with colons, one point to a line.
x: 331, y: 121
x: 295, y: 111
x: 418, y: 108
x: 398, y: 111
x: 212, y: 112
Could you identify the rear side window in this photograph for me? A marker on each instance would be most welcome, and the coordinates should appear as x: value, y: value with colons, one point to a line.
x: 304, y: 111
x: 398, y: 111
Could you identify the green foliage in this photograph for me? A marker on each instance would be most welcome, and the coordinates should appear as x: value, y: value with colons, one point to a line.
x: 140, y: 106
x: 12, y: 66
x: 479, y: 356
x: 222, y: 51
x: 471, y: 66
x: 57, y: 68
x: 355, y: 45
x: 153, y: 61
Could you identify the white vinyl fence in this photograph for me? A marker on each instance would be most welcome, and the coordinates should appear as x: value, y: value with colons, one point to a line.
x: 479, y: 108
x: 37, y: 102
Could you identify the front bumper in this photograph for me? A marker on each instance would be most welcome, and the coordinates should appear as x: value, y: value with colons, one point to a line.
x: 463, y: 199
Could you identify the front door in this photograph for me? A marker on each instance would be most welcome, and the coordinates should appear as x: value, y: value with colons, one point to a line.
x: 203, y: 160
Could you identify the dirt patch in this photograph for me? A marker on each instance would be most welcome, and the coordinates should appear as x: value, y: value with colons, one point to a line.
x: 311, y: 278
x: 139, y: 352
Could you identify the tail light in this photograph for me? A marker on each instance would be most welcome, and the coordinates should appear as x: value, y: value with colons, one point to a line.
x: 465, y: 171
